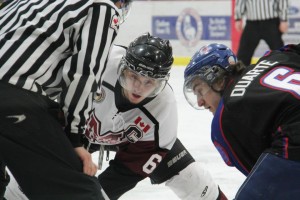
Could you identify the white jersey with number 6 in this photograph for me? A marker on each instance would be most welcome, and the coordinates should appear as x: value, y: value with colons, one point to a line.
x: 149, y: 128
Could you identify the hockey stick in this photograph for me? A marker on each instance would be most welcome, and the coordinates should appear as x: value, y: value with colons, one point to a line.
x: 100, y: 157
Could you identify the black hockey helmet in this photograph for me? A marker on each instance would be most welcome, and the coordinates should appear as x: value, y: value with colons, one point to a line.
x: 150, y: 56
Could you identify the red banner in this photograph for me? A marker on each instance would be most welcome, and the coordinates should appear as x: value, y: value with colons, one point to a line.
x: 235, y: 35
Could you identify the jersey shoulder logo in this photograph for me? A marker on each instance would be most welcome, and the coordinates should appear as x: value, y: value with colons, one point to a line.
x: 115, y: 22
x: 19, y: 118
x: 141, y: 124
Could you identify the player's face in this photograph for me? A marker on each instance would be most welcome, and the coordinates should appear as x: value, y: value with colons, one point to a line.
x: 125, y: 8
x: 207, y: 98
x: 138, y: 87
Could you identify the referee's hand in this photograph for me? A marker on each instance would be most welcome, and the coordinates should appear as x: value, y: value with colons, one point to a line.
x: 89, y: 167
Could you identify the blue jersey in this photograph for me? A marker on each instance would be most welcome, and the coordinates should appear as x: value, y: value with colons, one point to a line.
x: 260, y: 111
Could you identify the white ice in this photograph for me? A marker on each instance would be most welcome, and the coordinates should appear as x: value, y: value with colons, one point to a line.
x: 194, y: 133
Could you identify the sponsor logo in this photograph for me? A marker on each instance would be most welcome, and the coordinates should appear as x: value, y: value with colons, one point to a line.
x: 293, y: 10
x: 177, y: 157
x: 189, y: 27
x: 19, y: 118
x: 204, y: 191
x: 204, y: 50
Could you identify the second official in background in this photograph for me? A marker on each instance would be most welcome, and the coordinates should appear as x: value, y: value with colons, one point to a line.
x: 265, y: 20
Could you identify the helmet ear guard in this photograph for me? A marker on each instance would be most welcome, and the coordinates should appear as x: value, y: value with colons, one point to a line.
x: 213, y: 74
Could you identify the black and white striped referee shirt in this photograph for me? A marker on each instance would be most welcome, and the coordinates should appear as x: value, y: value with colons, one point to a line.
x: 261, y: 9
x: 58, y: 47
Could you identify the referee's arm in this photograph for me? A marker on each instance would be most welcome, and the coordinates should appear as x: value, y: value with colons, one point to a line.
x: 82, y: 71
x: 283, y: 10
x: 3, y: 3
x: 239, y: 10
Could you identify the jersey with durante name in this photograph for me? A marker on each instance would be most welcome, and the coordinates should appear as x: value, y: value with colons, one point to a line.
x: 260, y: 111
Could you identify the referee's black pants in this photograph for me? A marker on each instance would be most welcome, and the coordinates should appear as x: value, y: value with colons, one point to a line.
x: 254, y: 31
x: 37, y: 152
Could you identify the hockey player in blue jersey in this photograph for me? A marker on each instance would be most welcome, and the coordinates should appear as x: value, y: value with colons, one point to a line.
x: 256, y: 124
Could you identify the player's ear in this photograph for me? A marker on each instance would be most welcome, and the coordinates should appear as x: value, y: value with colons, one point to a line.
x: 219, y: 84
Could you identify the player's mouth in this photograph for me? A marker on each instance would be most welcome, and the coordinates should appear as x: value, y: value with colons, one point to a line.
x: 136, y: 96
x: 208, y: 108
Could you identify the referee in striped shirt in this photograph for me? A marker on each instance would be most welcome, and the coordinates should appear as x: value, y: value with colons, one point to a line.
x: 54, y: 49
x: 265, y: 19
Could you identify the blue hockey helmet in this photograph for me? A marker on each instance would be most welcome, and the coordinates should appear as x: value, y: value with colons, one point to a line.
x: 210, y: 64
x: 205, y: 62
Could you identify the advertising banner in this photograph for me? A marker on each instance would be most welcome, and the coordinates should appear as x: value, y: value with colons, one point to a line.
x: 187, y: 24
x: 190, y: 24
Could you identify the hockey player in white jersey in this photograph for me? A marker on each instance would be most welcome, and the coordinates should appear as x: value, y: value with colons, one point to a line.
x: 135, y: 113
x: 136, y: 110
